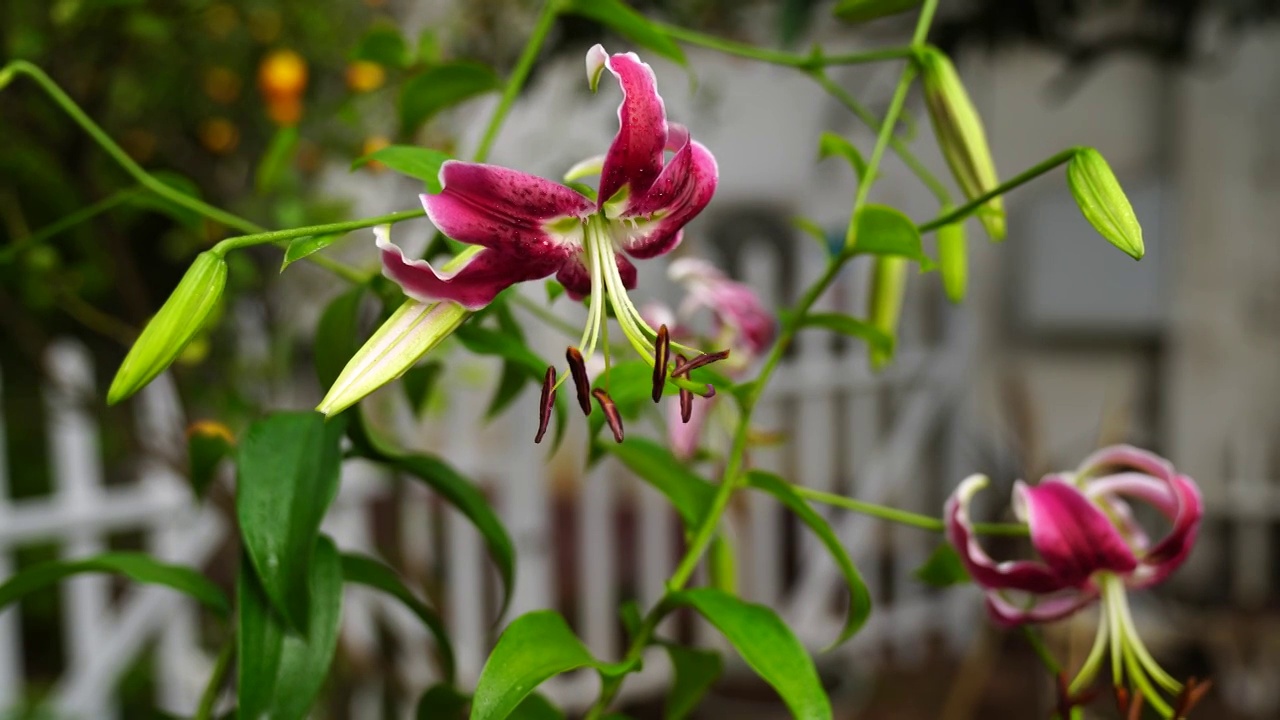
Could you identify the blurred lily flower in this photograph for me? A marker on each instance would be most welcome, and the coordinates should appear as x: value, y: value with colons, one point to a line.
x: 1091, y: 548
x: 740, y: 322
x: 531, y: 228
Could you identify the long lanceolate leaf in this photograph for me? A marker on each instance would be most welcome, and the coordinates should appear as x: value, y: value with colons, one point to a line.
x: 376, y: 574
x: 688, y: 493
x: 534, y: 647
x: 281, y: 672
x: 138, y: 567
x: 767, y: 645
x: 287, y: 475
x: 859, y: 597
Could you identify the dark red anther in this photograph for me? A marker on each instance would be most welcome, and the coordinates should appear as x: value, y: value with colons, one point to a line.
x: 547, y: 402
x: 703, y: 359
x: 578, y: 368
x: 1122, y: 699
x: 1067, y: 701
x: 686, y: 395
x: 610, y: 412
x: 1135, y: 709
x: 1192, y: 693
x: 661, y: 357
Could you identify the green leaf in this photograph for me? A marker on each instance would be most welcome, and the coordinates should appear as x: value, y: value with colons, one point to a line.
x: 280, y: 674
x: 463, y: 495
x: 138, y: 567
x: 302, y: 247
x: 442, y: 702
x: 882, y: 230
x: 767, y: 645
x: 383, y: 45
x: 873, y: 336
x: 534, y: 647
x: 695, y: 671
x: 336, y: 340
x: 944, y: 568
x: 628, y: 23
x: 859, y: 597
x: 536, y: 707
x: 688, y: 493
x: 856, y: 11
x: 274, y: 161
x: 259, y: 643
x: 416, y: 162
x: 833, y: 145
x: 288, y: 474
x: 305, y: 660
x: 484, y: 341
x: 208, y: 444
x: 1103, y: 202
x: 440, y: 87
x: 428, y: 47
x: 376, y: 574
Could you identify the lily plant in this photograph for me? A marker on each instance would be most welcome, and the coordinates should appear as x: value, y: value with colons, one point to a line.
x: 532, y: 228
x: 1091, y: 548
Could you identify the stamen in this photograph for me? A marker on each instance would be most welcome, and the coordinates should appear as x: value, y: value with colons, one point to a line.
x: 1122, y: 701
x: 578, y: 368
x: 661, y: 356
x: 701, y: 360
x: 610, y: 412
x: 686, y: 395
x: 547, y: 402
x: 1135, y: 710
x: 1192, y: 693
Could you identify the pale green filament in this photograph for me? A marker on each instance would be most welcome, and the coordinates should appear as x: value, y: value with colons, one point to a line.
x: 1130, y: 658
x: 1093, y: 662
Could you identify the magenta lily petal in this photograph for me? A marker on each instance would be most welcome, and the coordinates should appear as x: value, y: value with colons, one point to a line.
x: 576, y: 278
x: 634, y: 158
x: 1041, y: 610
x: 472, y: 286
x: 507, y: 210
x: 1022, y: 575
x: 683, y: 189
x: 1126, y: 456
x: 1072, y: 534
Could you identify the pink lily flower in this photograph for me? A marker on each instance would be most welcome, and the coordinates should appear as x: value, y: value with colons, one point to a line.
x: 740, y: 322
x: 1091, y: 548
x: 532, y: 228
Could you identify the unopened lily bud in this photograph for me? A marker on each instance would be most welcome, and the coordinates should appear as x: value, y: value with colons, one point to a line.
x: 178, y: 321
x: 953, y: 260
x: 888, y: 285
x: 1103, y: 201
x: 960, y: 135
x: 723, y: 565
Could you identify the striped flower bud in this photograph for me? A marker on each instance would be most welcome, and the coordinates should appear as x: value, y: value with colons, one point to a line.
x: 960, y: 135
x: 178, y: 321
x: 953, y: 260
x: 1103, y: 201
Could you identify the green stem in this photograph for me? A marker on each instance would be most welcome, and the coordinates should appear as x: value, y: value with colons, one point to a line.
x: 913, y: 163
x: 59, y: 226
x: 145, y: 179
x: 204, y: 711
x: 150, y: 182
x: 903, y: 517
x: 546, y: 19
x: 275, y: 236
x: 877, y: 153
x: 972, y: 206
x: 778, y: 57
x: 1042, y: 651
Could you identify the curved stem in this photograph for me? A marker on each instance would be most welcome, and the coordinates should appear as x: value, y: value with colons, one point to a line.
x: 210, y: 696
x: 972, y: 206
x: 779, y: 57
x: 145, y: 179
x: 546, y: 19
x: 66, y: 223
x: 275, y: 236
x: 903, y: 517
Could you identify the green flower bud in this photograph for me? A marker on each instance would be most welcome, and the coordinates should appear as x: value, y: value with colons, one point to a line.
x: 961, y: 137
x: 179, y: 320
x: 723, y: 565
x: 856, y: 11
x: 953, y: 260
x: 888, y: 286
x: 1103, y: 202
x: 411, y: 332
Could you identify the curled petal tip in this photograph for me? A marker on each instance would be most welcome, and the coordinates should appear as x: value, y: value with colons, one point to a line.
x: 597, y: 59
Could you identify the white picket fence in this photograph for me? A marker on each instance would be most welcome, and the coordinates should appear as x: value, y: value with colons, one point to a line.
x: 891, y: 437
